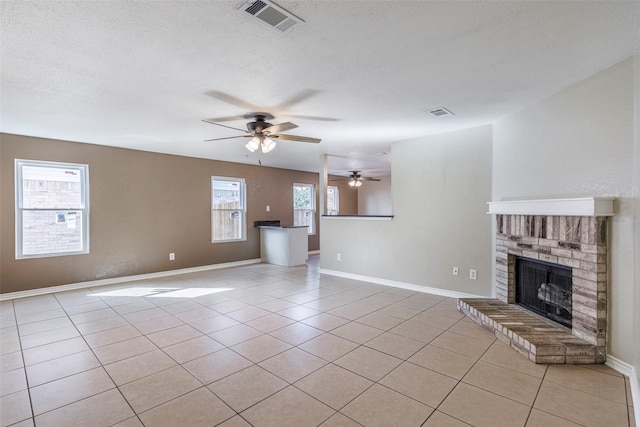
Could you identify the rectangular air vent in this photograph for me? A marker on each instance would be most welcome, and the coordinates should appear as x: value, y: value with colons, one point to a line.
x: 271, y: 14
x: 441, y: 112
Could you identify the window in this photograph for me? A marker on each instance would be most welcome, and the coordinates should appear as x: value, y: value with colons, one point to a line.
x: 333, y: 200
x: 228, y: 212
x: 304, y: 206
x: 52, y: 209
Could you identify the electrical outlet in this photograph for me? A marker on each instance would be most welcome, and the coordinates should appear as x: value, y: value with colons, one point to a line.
x: 338, y: 256
x: 455, y: 271
x: 473, y: 274
x: 172, y: 256
x: 268, y: 208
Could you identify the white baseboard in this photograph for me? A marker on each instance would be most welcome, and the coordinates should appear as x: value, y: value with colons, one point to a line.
x: 402, y: 285
x: 628, y: 371
x: 618, y: 365
x: 124, y: 279
x: 635, y: 393
x: 314, y: 252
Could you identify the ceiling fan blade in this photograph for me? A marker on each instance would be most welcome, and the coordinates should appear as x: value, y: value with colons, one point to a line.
x: 316, y: 118
x: 229, y: 137
x: 281, y: 127
x: 369, y: 179
x: 341, y: 179
x: 230, y: 99
x: 295, y: 138
x: 224, y: 126
x: 296, y: 99
x: 228, y: 118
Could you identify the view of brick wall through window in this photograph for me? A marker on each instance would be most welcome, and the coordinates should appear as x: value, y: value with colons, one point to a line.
x: 53, y: 228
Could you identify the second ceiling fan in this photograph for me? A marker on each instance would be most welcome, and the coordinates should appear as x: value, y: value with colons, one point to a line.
x: 262, y: 133
x: 355, y: 179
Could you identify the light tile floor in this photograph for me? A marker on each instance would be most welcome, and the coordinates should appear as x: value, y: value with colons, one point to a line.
x: 263, y: 345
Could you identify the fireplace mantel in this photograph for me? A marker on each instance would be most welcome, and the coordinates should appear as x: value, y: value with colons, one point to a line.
x: 583, y: 206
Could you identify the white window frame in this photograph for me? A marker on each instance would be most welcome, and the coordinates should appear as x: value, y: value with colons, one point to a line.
x: 83, y: 208
x: 312, y: 226
x: 336, y: 199
x: 242, y: 210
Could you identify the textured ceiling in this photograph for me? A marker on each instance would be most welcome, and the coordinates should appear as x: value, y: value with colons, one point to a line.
x: 358, y: 74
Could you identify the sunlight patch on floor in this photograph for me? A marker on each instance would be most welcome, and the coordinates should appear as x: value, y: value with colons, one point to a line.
x: 161, y: 292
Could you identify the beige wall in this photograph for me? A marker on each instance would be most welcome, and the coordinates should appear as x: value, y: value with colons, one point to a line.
x: 440, y: 187
x: 582, y: 142
x: 143, y: 206
x: 375, y: 198
x: 348, y: 197
x: 635, y: 285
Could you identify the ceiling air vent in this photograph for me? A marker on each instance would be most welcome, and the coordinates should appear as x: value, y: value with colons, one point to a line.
x: 271, y: 14
x: 441, y: 112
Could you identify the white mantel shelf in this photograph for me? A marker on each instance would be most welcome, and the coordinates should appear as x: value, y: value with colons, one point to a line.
x: 584, y: 206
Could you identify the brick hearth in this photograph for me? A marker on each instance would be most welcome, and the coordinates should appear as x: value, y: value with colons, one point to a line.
x: 538, y: 339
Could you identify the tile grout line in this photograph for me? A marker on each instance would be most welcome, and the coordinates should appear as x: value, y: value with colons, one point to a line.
x: 24, y: 364
x: 349, y: 320
x: 300, y: 285
x: 586, y: 392
x: 461, y: 381
x: 537, y: 393
x: 136, y: 414
x: 310, y: 373
x: 405, y: 360
x: 627, y: 392
x: 101, y: 365
x: 376, y: 382
x: 91, y: 349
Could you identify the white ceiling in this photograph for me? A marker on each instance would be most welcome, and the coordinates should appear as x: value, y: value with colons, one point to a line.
x: 143, y: 74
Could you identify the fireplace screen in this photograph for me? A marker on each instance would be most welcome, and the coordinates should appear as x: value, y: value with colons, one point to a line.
x: 544, y: 289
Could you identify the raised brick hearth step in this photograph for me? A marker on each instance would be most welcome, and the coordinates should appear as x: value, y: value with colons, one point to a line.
x: 539, y: 340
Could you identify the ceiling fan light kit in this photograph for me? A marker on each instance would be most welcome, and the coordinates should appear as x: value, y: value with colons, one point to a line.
x: 262, y: 134
x: 253, y: 144
x: 268, y: 145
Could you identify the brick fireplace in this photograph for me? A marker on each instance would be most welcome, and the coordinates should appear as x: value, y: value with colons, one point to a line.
x: 568, y: 233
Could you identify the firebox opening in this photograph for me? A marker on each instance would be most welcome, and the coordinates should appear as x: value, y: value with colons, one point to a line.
x: 544, y: 288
